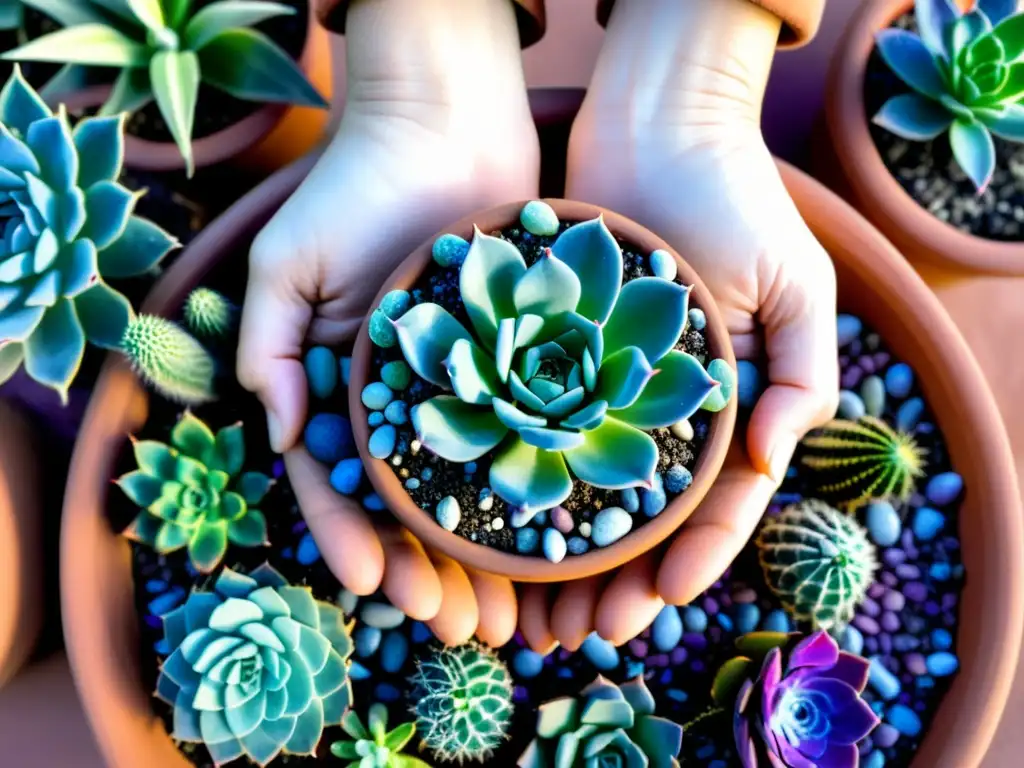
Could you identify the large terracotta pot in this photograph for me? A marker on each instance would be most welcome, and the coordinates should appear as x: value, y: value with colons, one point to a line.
x: 848, y: 159
x: 528, y: 567
x: 98, y: 610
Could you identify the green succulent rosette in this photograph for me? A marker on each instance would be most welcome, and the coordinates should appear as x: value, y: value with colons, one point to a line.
x: 66, y: 226
x: 257, y: 667
x: 187, y: 494
x: 373, y: 745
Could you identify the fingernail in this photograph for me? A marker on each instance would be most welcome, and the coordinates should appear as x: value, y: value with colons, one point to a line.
x: 782, y: 454
x: 274, y: 432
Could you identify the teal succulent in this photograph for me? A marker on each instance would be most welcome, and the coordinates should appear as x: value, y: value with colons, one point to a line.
x: 818, y: 562
x: 164, y: 50
x: 169, y: 359
x: 373, y: 745
x: 966, y: 73
x: 606, y: 726
x: 257, y: 667
x: 558, y: 373
x: 11, y: 16
x: 190, y: 496
x: 209, y: 313
x: 462, y: 699
x: 67, y: 226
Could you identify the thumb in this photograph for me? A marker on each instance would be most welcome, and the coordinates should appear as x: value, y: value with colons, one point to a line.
x: 275, y: 318
x: 803, y: 374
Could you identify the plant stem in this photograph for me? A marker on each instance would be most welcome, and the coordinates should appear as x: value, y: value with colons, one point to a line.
x: 705, y: 715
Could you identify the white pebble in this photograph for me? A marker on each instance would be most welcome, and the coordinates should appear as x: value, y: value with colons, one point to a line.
x: 448, y: 513
x: 414, y: 447
x: 486, y: 504
x: 682, y: 430
x: 663, y: 265
x: 585, y: 530
x: 497, y: 524
x: 554, y: 545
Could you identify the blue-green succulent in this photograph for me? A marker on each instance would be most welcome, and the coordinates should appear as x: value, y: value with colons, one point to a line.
x: 566, y: 368
x: 67, y: 226
x: 373, y: 745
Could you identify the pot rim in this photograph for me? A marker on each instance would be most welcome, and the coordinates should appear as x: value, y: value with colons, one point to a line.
x: 915, y: 231
x: 536, y: 568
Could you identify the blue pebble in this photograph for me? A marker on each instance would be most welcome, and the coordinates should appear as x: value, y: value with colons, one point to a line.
x: 449, y: 250
x: 899, y: 380
x: 394, y: 651
x: 852, y: 641
x: 345, y: 368
x: 470, y: 467
x: 694, y: 619
x: 882, y: 680
x: 395, y: 303
x: 565, y: 673
x: 329, y: 439
x: 539, y: 218
x: 382, y: 441
x: 600, y: 652
x: 654, y: 500
x: 776, y: 621
x: 904, y: 720
x: 287, y: 553
x: 155, y: 585
x: 358, y: 672
x: 527, y: 540
x: 554, y: 545
x: 874, y: 760
x: 373, y: 502
x: 747, y: 616
x: 382, y: 331
x: 883, y: 523
x: 909, y: 414
x: 667, y: 630
x: 705, y: 752
x: 577, y: 545
x: 940, y: 571
x: 162, y: 647
x: 941, y: 639
x: 927, y: 523
x: 663, y: 265
x: 677, y: 695
x: 942, y: 664
x: 377, y: 395
x: 347, y: 475
x: 944, y: 489
x: 426, y: 474
x: 636, y: 669
x: 630, y: 500
x: 848, y: 328
x: 678, y: 478
x: 925, y: 681
x: 397, y: 412
x: 698, y: 320
x: 321, y: 372
x: 386, y: 692
x: 307, y: 552
x: 724, y: 621
x: 718, y: 764
x: 420, y: 632
x: 527, y: 664
x: 851, y: 406
x: 748, y: 383
x: 166, y: 602
x: 366, y: 641
x: 375, y: 419
x: 413, y: 483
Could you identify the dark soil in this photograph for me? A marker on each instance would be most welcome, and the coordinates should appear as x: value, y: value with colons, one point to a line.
x: 929, y: 174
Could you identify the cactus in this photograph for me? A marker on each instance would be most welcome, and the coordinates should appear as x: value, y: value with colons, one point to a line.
x: 167, y: 357
x: 818, y: 562
x: 462, y: 702
x: 857, y: 461
x: 209, y: 313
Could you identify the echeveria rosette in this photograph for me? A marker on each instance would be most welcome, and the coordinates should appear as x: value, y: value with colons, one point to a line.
x: 187, y: 495
x: 606, y: 726
x: 804, y: 708
x: 373, y: 745
x: 257, y: 667
x: 966, y: 71
x: 66, y: 224
x: 559, y: 373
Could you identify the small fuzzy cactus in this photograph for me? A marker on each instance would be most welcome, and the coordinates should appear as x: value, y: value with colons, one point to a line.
x: 818, y: 562
x: 209, y: 313
x: 462, y: 702
x: 167, y: 357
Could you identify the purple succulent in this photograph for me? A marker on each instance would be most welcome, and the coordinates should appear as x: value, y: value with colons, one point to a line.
x: 808, y: 714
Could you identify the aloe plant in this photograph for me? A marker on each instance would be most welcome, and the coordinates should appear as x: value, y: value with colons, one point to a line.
x: 165, y: 50
x: 560, y: 374
x: 67, y: 225
x: 966, y: 71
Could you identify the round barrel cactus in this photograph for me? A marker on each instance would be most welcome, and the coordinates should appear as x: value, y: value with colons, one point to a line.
x: 607, y: 726
x: 257, y: 667
x: 557, y: 373
x: 818, y: 562
x: 66, y: 226
x: 462, y: 699
x: 209, y: 313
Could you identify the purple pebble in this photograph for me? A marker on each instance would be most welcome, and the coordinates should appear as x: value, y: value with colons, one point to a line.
x: 638, y: 648
x: 871, y: 645
x: 865, y: 624
x: 948, y: 620
x: 678, y: 656
x: 844, y: 360
x: 710, y: 606
x: 915, y: 591
x: 866, y: 747
x: 931, y: 608
x: 949, y: 601
x: 695, y: 641
x: 745, y: 596
x: 561, y: 519
x: 881, y: 360
x: 889, y: 579
x: 890, y: 622
x: 885, y: 643
x: 658, y: 660
x: 905, y: 642
x: 851, y: 377
x: 893, y: 557
x: 866, y: 364
x: 870, y: 607
x: 876, y: 590
x: 907, y: 538
x: 885, y: 736
x: 697, y: 665
x: 893, y: 601
x: 914, y: 662
x: 904, y: 698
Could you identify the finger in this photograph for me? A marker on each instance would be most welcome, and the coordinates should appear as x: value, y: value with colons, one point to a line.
x: 499, y: 611
x: 572, y: 617
x: 457, y: 619
x: 411, y: 582
x: 712, y: 538
x: 534, y: 618
x: 630, y: 601
x: 347, y: 541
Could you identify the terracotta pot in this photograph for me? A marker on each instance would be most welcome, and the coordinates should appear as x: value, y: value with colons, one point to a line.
x: 21, y: 545
x: 529, y: 567
x: 100, y: 622
x: 852, y: 164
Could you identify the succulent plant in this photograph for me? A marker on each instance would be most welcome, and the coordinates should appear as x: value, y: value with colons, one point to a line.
x: 165, y: 50
x: 856, y: 461
x: 606, y: 726
x: 257, y: 667
x: 796, y: 701
x: 209, y: 313
x: 11, y: 15
x: 818, y: 562
x: 966, y: 72
x: 187, y: 497
x: 559, y: 371
x: 462, y: 699
x: 67, y: 225
x: 373, y: 745
x: 173, y: 362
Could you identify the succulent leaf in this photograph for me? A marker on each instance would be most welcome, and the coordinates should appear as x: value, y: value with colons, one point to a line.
x: 427, y: 333
x: 215, y: 18
x: 547, y: 288
x: 913, y: 117
x: 454, y: 430
x: 908, y: 57
x: 139, y: 248
x: 175, y: 79
x: 11, y: 356
x: 1009, y: 125
x: 997, y: 10
x: 93, y: 43
x: 54, y: 351
x: 677, y: 389
x: 623, y: 377
x: 525, y: 475
x: 590, y: 250
x: 487, y: 281
x: 615, y: 456
x: 104, y: 314
x: 663, y: 302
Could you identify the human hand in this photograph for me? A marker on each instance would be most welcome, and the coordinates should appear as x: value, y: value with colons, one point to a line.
x: 415, y: 151
x: 684, y: 157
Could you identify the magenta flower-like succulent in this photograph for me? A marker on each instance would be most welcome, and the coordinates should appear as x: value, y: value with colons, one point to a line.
x: 804, y: 710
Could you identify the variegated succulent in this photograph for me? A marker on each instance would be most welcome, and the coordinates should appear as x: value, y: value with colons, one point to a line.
x: 373, y: 745
x: 565, y: 369
x: 67, y: 225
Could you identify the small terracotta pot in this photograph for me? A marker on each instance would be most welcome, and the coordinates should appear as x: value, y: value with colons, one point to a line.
x: 21, y: 545
x: 530, y: 567
x: 853, y: 166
